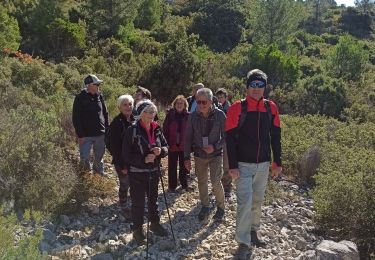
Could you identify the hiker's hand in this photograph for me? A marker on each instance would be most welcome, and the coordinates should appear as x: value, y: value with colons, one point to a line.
x: 234, y: 173
x: 209, y: 149
x: 187, y: 164
x: 124, y: 171
x: 150, y: 158
x: 276, y: 172
x: 81, y: 140
x: 156, y: 150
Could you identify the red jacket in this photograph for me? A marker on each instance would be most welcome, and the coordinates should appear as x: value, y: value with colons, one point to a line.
x: 174, y: 127
x: 252, y: 143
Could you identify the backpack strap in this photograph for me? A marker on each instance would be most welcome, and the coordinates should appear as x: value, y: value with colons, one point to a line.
x: 134, y: 132
x: 268, y: 108
x: 242, y: 118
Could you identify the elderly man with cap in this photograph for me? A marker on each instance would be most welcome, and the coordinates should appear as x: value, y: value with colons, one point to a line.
x: 90, y: 120
x: 252, y: 128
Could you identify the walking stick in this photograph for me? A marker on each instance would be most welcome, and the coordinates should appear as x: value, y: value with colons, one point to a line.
x: 166, y: 204
x: 148, y: 211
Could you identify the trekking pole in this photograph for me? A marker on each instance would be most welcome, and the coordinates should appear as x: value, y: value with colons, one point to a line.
x: 148, y: 211
x: 166, y: 204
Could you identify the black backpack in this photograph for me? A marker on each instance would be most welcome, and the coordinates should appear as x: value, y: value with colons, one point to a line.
x: 242, y: 119
x: 107, y: 139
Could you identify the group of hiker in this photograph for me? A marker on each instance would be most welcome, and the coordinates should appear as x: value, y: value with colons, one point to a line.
x: 227, y: 143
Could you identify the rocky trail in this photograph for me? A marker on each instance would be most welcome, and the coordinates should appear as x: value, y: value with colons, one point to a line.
x: 100, y: 232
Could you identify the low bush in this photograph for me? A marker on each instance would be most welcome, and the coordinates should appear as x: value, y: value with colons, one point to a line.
x: 35, y: 173
x: 344, y: 177
x: 24, y: 245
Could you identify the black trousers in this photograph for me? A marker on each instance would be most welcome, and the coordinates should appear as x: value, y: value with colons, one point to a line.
x: 173, y: 159
x: 139, y: 187
x: 124, y: 187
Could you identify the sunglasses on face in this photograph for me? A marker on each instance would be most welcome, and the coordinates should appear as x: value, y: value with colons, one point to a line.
x: 256, y: 84
x: 202, y: 102
x: 96, y: 84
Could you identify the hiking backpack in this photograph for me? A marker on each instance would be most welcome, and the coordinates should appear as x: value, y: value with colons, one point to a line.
x: 107, y: 137
x: 242, y: 118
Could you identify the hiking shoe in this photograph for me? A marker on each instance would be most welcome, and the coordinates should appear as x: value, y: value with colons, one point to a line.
x: 256, y: 241
x: 158, y: 229
x: 203, y: 214
x: 243, y: 252
x: 219, y: 215
x: 138, y: 236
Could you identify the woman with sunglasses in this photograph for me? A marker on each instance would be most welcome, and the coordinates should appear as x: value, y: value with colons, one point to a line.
x: 253, y: 128
x: 143, y: 147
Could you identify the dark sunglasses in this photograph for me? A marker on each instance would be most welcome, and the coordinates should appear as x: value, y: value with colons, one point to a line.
x: 202, y: 102
x: 257, y: 84
x: 96, y: 84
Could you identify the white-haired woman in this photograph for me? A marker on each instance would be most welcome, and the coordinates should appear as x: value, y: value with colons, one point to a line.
x: 143, y: 146
x: 116, y: 130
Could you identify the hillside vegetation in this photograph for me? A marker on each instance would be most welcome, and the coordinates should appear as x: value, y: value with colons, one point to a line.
x: 320, y: 59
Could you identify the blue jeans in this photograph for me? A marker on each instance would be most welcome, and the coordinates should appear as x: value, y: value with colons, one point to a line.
x: 98, y: 144
x: 251, y: 187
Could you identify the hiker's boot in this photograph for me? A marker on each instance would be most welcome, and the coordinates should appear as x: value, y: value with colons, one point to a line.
x: 243, y: 252
x: 158, y: 229
x: 256, y: 241
x: 219, y: 215
x: 138, y: 236
x: 203, y: 214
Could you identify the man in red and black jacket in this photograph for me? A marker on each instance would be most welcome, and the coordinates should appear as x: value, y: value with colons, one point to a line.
x: 252, y: 128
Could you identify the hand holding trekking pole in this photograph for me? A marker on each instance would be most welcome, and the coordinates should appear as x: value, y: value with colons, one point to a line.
x: 156, y: 150
x: 150, y: 158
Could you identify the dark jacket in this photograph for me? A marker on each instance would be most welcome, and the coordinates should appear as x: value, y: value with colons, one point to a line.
x: 225, y: 107
x: 199, y: 126
x: 90, y: 115
x: 136, y: 145
x: 251, y: 143
x: 117, y: 130
x: 174, y: 127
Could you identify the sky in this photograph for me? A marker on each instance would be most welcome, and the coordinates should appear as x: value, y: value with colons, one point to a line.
x: 345, y: 2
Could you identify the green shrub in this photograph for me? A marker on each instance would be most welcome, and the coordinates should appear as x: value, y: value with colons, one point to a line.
x: 33, y: 167
x: 280, y: 68
x: 344, y: 195
x: 345, y: 181
x: 319, y: 95
x: 348, y: 59
x: 15, y: 247
x: 10, y: 37
x: 36, y: 77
